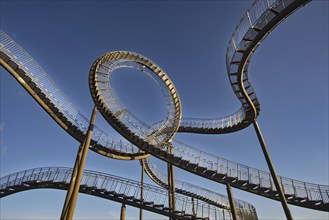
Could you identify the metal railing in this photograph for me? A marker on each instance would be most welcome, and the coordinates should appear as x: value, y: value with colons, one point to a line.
x: 243, y: 208
x: 241, y: 172
x: 115, y: 185
x: 256, y: 17
x: 215, y: 123
x: 57, y: 97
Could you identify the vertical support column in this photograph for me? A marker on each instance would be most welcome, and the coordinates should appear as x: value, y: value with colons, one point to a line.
x: 272, y: 170
x: 171, y: 183
x: 71, y: 196
x: 72, y: 182
x: 231, y: 200
x: 123, y: 212
x: 142, y: 191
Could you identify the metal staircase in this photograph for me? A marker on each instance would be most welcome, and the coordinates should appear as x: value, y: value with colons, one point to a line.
x: 155, y: 199
x: 244, y: 210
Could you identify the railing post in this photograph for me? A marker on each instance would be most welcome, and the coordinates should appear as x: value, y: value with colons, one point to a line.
x: 273, y: 172
x: 320, y: 193
x: 294, y: 187
x: 71, y: 196
x: 193, y: 208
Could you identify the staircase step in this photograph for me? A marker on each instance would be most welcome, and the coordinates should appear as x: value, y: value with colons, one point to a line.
x: 289, y: 196
x: 183, y: 162
x: 162, y: 153
x: 274, y: 11
x: 230, y: 179
x: 200, y: 169
x: 121, y: 195
x: 188, y: 216
x: 219, y: 176
x: 247, y: 39
x: 138, y: 200
x: 241, y: 182
x: 314, y: 202
x: 191, y: 166
x: 158, y: 206
x: 179, y: 212
x: 129, y: 197
x: 301, y: 199
x: 252, y: 186
x: 112, y: 192
x: 167, y: 209
x: 101, y: 190
x: 169, y: 156
x: 148, y: 203
x: 176, y: 159
x: 240, y: 50
x: 256, y: 28
x: 12, y: 64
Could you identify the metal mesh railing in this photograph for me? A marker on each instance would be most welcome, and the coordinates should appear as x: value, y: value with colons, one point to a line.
x: 244, y: 208
x: 115, y: 185
x: 57, y: 97
x: 254, y: 17
x: 215, y: 123
x: 240, y: 172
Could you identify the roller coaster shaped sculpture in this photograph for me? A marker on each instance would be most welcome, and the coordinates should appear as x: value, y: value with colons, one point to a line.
x: 157, y: 140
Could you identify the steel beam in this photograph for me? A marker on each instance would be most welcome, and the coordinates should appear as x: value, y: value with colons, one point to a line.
x: 231, y: 200
x: 142, y: 190
x: 71, y: 197
x: 273, y: 172
x: 171, y: 184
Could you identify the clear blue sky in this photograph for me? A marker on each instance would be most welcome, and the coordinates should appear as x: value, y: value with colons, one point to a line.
x: 187, y: 39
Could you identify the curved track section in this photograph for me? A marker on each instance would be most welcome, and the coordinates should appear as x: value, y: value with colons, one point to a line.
x: 244, y: 210
x: 113, y: 188
x: 110, y: 106
x: 47, y: 94
x: 30, y: 75
x: 259, y: 20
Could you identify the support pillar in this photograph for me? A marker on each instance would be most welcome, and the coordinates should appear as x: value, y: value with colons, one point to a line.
x: 72, y: 194
x: 72, y: 182
x: 171, y: 183
x: 123, y: 212
x: 142, y: 191
x: 231, y: 200
x: 273, y: 173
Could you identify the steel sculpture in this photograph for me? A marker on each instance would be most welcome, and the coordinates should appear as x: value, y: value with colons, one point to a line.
x: 157, y: 139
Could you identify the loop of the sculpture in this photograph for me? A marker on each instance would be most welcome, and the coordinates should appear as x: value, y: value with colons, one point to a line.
x: 116, y: 113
